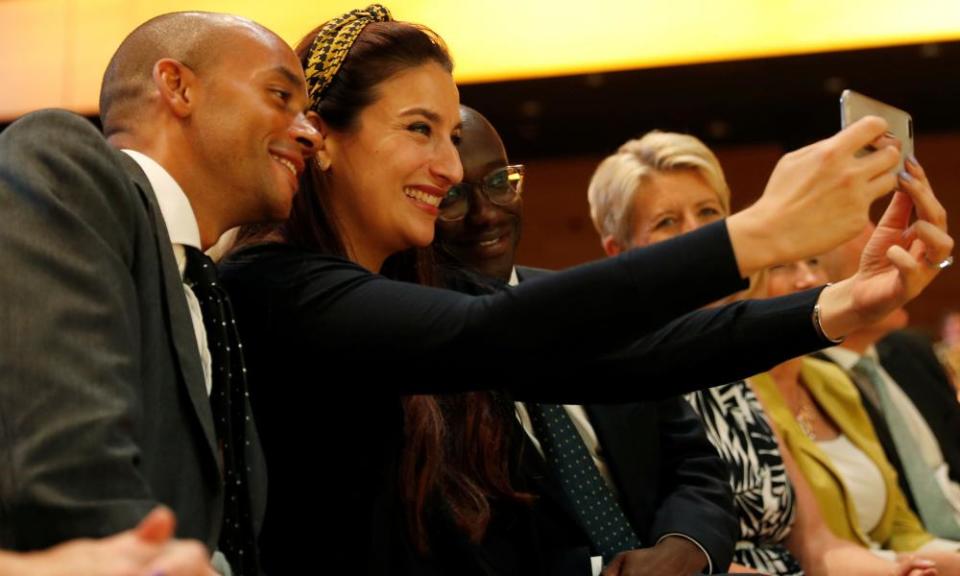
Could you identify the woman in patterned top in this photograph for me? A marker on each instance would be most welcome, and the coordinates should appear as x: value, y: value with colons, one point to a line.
x: 664, y: 185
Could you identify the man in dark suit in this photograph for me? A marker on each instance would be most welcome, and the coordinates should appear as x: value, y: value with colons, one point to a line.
x: 105, y: 370
x: 666, y: 479
x: 910, y: 359
x: 910, y: 401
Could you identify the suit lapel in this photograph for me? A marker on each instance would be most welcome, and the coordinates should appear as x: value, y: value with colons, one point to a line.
x: 867, y: 391
x: 177, y: 314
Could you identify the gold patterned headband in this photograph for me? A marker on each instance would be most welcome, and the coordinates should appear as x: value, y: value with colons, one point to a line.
x: 329, y: 49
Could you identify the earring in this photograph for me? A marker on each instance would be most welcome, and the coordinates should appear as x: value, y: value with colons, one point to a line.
x: 323, y: 161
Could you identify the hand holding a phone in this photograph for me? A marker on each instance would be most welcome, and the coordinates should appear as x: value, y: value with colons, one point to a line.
x: 899, y: 261
x: 817, y: 198
x: 854, y: 106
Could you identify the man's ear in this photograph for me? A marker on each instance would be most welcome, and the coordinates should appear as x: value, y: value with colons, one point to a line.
x: 176, y: 84
x: 326, y: 147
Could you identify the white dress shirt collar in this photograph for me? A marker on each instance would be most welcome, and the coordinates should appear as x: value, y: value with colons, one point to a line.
x: 847, y: 358
x: 174, y: 206
x: 183, y: 231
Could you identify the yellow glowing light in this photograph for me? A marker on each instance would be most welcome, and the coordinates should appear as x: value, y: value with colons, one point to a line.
x: 54, y: 51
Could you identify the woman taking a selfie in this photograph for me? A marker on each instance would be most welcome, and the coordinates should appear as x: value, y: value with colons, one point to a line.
x: 348, y: 364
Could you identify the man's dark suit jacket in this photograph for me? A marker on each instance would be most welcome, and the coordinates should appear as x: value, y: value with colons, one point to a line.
x: 669, y: 477
x: 910, y: 360
x: 103, y: 408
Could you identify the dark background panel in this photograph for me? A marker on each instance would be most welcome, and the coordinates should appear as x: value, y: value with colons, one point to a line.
x: 787, y: 100
x: 749, y: 112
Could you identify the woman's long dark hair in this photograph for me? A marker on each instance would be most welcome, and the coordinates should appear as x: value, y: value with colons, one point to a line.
x: 456, y: 450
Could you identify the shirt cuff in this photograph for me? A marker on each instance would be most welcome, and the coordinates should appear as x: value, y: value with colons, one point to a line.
x: 709, y: 569
x: 596, y: 565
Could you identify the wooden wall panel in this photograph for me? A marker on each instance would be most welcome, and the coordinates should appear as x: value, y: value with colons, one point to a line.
x: 558, y: 232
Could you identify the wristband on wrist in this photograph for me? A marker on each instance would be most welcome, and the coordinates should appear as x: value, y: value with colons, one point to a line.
x: 818, y: 326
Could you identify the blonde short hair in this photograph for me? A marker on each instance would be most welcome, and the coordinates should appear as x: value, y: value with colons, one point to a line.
x: 617, y: 179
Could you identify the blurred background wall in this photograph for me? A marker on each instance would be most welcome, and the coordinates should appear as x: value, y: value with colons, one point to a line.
x: 567, y: 82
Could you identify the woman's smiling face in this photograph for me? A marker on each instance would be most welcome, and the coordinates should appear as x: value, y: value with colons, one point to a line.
x: 388, y: 175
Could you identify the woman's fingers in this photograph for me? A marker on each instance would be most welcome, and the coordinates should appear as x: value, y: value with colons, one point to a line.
x: 911, y: 565
x: 928, y: 238
x: 905, y: 262
x: 937, y: 244
x: 819, y: 197
x: 879, y: 164
x: 897, y: 214
x: 915, y: 184
x: 880, y: 185
x: 182, y: 558
x: 914, y: 168
x: 916, y: 265
x: 859, y: 134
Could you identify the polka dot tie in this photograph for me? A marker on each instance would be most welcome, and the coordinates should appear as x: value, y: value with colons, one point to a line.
x: 597, y: 509
x: 227, y: 401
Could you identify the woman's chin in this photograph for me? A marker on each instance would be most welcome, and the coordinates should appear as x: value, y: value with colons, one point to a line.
x: 419, y: 239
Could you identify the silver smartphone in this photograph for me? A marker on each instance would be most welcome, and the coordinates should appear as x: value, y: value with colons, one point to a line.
x: 854, y: 106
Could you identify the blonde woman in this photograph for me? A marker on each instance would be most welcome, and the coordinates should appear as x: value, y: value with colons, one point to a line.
x: 667, y: 184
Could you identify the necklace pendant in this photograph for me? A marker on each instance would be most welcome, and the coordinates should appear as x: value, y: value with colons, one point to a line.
x: 806, y: 424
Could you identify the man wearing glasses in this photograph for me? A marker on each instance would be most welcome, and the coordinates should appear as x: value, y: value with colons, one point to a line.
x: 653, y: 469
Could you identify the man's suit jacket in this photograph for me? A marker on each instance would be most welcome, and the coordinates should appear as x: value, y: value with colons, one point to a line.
x: 103, y: 408
x: 909, y: 358
x: 669, y: 477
